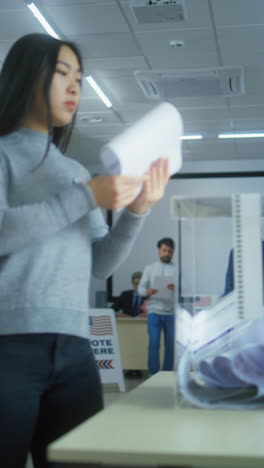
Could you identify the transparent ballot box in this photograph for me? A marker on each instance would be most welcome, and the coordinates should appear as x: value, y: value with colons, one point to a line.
x: 219, y: 324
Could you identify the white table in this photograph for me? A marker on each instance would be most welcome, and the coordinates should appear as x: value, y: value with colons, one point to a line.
x: 145, y: 427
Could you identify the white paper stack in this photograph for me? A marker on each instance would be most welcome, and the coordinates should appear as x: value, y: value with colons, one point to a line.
x: 157, y: 134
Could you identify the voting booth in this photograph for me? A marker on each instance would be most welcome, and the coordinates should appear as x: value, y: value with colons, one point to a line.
x: 220, y: 343
x: 105, y: 346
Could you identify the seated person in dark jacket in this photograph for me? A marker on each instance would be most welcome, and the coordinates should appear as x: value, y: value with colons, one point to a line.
x: 229, y: 278
x: 129, y: 301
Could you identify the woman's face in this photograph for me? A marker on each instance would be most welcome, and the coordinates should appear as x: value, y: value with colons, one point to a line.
x: 64, y: 94
x: 65, y: 87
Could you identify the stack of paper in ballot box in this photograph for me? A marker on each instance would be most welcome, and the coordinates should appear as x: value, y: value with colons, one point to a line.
x: 220, y: 343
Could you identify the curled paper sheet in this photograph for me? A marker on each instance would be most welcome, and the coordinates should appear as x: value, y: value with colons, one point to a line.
x: 157, y: 134
x: 207, y: 395
x: 231, y: 378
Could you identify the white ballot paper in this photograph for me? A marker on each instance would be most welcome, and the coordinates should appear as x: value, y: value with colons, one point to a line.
x: 161, y: 284
x: 156, y: 135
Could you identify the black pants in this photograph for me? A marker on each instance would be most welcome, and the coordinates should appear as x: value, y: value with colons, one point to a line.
x: 48, y: 385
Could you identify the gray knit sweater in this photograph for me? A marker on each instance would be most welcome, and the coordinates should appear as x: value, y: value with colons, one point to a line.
x: 52, y: 237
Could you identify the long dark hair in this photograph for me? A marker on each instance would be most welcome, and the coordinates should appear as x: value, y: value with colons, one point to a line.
x: 31, y: 59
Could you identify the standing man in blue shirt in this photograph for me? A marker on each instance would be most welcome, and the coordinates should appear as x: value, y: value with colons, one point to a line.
x: 158, y: 283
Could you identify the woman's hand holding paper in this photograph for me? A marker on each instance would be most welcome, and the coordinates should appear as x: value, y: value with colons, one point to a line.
x: 153, y: 187
x: 114, y: 191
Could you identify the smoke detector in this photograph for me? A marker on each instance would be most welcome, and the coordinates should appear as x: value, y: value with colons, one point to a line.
x: 169, y: 84
x: 158, y: 11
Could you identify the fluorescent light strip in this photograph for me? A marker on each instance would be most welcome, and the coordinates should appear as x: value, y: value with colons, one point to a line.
x: 192, y: 137
x: 42, y: 20
x: 36, y: 12
x: 98, y: 91
x: 241, y: 135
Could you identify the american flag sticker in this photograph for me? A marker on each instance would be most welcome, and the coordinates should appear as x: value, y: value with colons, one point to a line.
x: 202, y: 301
x: 100, y: 325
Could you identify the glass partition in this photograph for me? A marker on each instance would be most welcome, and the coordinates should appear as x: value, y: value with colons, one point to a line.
x: 219, y: 306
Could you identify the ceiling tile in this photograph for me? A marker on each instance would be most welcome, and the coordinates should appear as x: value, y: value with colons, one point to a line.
x: 132, y: 111
x: 237, y: 12
x: 114, y: 67
x: 206, y: 114
x: 11, y: 5
x: 105, y: 132
x: 247, y: 112
x: 123, y: 89
x: 206, y: 127
x: 91, y: 18
x: 107, y: 45
x: 91, y: 105
x: 251, y: 125
x: 157, y: 43
x: 89, y: 119
x: 254, y: 80
x: 72, y: 2
x: 199, y: 49
x: 245, y: 148
x: 247, y: 100
x: 183, y: 61
x: 117, y: 68
x: 211, y: 149
x: 4, y: 48
x: 200, y: 102
x: 16, y: 23
x: 241, y: 45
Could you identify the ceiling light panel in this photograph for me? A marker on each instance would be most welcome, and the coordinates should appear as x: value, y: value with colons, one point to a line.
x: 241, y: 135
x: 42, y: 19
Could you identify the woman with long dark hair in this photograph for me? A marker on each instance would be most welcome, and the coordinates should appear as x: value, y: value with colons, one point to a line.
x: 52, y: 238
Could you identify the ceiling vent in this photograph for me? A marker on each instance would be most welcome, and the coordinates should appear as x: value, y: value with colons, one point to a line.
x: 158, y: 11
x: 169, y: 84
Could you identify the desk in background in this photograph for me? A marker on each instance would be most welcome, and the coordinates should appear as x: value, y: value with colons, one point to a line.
x: 133, y: 343
x: 146, y: 427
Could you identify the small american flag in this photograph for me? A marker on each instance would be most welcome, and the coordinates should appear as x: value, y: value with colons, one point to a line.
x: 202, y: 301
x: 101, y: 325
